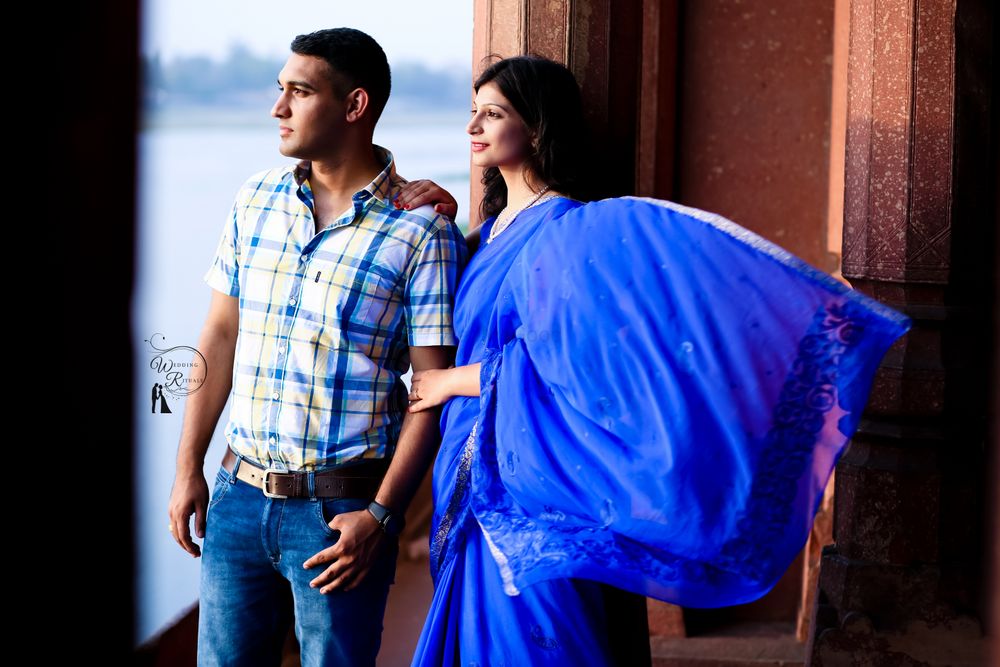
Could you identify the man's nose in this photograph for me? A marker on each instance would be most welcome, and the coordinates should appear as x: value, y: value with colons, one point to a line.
x: 280, y: 108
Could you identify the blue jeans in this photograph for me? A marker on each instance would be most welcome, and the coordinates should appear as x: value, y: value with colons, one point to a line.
x: 253, y: 583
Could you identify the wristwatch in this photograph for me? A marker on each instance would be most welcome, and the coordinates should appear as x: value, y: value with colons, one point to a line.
x: 390, y: 522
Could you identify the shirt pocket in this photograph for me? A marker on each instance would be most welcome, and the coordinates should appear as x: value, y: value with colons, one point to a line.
x: 342, y: 296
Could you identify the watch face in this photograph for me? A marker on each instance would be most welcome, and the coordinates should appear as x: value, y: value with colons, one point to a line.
x: 377, y: 511
x: 391, y: 523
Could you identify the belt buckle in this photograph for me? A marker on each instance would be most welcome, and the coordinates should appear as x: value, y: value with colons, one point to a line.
x: 267, y: 472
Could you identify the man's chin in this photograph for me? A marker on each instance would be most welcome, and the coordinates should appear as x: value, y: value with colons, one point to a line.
x: 285, y: 150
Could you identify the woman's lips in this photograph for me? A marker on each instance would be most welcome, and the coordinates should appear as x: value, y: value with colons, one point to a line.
x: 476, y: 147
x: 284, y: 131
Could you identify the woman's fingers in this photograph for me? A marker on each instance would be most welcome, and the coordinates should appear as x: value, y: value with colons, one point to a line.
x: 421, y: 192
x: 411, y: 195
x: 449, y: 210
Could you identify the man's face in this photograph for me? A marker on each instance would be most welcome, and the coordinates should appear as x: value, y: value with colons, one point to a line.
x: 311, y: 116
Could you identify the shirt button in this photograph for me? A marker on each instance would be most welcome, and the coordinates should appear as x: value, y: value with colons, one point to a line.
x: 272, y: 439
x: 274, y: 395
x: 305, y: 258
x: 292, y: 301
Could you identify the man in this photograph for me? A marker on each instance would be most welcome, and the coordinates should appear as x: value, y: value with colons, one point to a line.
x: 326, y: 293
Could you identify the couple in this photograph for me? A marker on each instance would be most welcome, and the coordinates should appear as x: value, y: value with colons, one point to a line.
x: 642, y: 395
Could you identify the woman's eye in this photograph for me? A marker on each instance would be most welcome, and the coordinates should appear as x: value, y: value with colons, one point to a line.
x: 492, y: 114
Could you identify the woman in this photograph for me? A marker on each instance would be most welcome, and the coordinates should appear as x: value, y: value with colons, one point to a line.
x: 644, y: 395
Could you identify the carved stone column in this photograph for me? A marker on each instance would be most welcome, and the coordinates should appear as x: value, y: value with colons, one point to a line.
x: 903, y: 583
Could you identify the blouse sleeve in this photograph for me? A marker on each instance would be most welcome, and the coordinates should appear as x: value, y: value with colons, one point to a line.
x: 665, y: 395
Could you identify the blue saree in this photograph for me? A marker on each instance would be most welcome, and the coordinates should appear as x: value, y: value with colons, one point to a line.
x: 664, y: 397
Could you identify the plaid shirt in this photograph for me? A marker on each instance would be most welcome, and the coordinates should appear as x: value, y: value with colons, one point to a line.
x: 326, y: 319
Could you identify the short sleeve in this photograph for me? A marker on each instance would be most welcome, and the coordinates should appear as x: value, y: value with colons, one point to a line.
x: 431, y: 286
x: 223, y: 274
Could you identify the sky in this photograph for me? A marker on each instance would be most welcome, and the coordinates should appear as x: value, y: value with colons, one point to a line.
x: 435, y: 32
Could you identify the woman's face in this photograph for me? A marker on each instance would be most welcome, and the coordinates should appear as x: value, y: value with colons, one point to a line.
x: 499, y: 135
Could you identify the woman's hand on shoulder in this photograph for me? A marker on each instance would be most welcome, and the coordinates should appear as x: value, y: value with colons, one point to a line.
x: 424, y: 191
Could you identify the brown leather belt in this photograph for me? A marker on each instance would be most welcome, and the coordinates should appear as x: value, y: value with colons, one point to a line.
x: 357, y: 481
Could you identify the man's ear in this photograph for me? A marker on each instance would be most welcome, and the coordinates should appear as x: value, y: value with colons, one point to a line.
x: 357, y: 104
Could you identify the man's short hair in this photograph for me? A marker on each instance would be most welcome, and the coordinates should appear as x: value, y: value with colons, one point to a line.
x: 356, y: 59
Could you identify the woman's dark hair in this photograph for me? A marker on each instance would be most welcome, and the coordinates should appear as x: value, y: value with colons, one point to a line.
x: 547, y: 97
x: 356, y: 61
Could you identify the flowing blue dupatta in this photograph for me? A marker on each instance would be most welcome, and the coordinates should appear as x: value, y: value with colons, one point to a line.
x: 665, y: 395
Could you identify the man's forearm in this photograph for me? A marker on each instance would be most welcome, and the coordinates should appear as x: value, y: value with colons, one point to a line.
x: 205, y: 405
x: 418, y: 441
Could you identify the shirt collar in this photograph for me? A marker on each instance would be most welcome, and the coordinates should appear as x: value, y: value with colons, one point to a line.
x: 381, y: 186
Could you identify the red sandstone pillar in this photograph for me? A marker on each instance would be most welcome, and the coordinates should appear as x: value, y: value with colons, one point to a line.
x: 903, y: 582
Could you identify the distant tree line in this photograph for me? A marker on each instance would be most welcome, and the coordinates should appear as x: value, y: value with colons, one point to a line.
x: 244, y: 77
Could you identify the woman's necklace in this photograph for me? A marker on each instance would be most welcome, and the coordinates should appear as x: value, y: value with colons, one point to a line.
x: 505, y: 218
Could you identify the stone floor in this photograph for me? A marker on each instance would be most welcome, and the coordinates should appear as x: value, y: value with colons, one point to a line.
x: 743, y: 645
